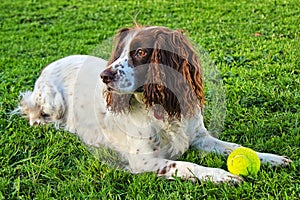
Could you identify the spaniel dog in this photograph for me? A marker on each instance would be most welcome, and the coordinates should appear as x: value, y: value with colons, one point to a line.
x: 145, y: 103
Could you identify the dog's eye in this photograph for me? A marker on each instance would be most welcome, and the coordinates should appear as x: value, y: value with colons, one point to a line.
x: 140, y: 53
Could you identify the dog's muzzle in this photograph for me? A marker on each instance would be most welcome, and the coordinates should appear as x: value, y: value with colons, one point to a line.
x: 108, y: 75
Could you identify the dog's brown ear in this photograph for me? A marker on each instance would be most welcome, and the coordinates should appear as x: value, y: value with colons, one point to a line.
x: 116, y: 102
x: 119, y: 42
x: 175, y: 78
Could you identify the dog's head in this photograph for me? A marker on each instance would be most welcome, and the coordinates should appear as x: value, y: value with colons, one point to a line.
x: 158, y: 63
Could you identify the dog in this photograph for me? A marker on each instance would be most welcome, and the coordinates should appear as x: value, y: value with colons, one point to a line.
x: 145, y: 103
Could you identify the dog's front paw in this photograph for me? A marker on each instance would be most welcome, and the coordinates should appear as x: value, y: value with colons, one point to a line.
x: 218, y: 176
x: 274, y: 160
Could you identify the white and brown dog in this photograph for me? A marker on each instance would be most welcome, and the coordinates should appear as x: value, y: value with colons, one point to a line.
x: 144, y: 103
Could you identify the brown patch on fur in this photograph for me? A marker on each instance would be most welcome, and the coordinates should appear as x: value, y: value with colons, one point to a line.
x: 162, y: 171
x: 165, y: 169
x: 173, y: 165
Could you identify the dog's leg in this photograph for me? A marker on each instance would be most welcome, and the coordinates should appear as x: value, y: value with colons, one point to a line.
x: 208, y: 143
x: 185, y: 170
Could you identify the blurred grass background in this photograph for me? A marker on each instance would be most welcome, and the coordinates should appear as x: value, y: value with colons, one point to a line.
x: 254, y: 44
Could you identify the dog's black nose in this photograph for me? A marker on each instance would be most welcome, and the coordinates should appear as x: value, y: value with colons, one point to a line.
x: 108, y: 75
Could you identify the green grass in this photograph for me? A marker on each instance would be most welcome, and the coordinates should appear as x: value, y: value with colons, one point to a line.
x: 254, y: 44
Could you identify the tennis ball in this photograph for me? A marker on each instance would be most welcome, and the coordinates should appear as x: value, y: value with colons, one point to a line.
x: 243, y: 161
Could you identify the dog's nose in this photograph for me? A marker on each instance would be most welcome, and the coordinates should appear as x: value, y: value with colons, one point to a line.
x: 108, y: 75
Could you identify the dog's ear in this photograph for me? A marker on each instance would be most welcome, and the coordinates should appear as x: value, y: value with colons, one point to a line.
x: 175, y: 78
x: 119, y: 42
x: 116, y: 102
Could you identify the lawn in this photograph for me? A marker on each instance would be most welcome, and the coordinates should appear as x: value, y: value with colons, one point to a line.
x: 254, y: 45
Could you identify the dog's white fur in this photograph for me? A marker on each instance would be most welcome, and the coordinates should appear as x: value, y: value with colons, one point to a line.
x: 69, y: 94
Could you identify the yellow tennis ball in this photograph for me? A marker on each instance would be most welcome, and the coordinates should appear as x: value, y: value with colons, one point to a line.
x: 243, y: 161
